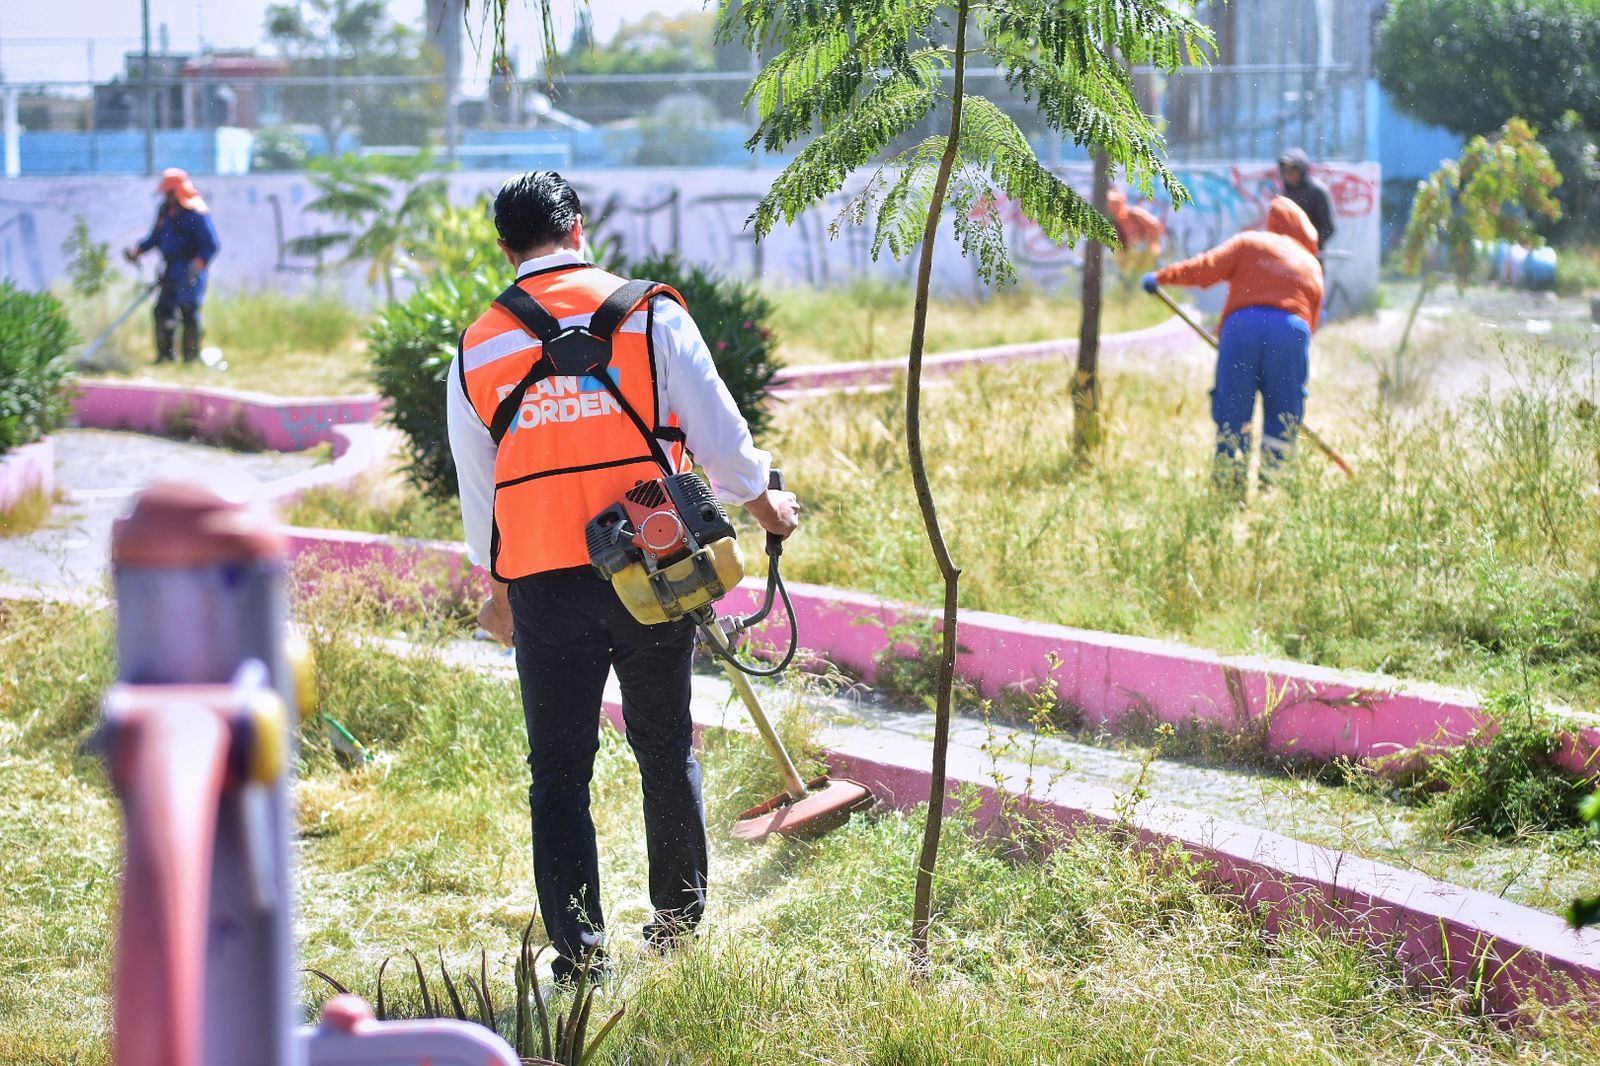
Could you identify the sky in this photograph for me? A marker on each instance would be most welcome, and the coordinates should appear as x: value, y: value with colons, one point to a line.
x: 59, y: 41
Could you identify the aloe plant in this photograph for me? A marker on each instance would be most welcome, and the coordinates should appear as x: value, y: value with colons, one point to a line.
x: 537, y: 1031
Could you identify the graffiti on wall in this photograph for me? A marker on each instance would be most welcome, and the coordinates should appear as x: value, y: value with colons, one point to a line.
x: 700, y: 214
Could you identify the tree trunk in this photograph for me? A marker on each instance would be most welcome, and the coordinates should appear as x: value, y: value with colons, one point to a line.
x: 1416, y: 305
x: 922, y: 909
x: 1086, y: 385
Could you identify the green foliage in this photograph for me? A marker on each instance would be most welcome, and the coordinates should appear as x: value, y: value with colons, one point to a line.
x: 1586, y: 909
x: 535, y: 1030
x: 733, y: 317
x: 1504, y: 782
x: 412, y: 343
x: 454, y: 240
x: 1468, y: 65
x: 278, y: 148
x: 653, y: 43
x: 346, y: 38
x: 1494, y: 192
x: 385, y: 203
x: 88, y: 260
x: 371, y: 509
x: 866, y: 76
x: 34, y: 369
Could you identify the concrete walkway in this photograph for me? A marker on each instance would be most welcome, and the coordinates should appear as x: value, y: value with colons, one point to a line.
x: 97, y: 474
x: 1364, y: 821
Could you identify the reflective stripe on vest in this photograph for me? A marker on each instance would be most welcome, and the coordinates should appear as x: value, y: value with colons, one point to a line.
x: 571, y: 451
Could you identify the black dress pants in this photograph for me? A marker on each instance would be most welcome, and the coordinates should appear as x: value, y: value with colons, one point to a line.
x: 571, y: 631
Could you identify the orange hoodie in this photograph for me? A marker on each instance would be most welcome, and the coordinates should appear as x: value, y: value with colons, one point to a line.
x: 1277, y: 268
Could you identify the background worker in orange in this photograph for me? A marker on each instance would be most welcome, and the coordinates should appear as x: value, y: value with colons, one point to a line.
x: 1274, y: 300
x: 525, y: 502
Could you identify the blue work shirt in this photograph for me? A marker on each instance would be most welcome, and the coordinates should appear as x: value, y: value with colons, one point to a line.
x: 182, y: 236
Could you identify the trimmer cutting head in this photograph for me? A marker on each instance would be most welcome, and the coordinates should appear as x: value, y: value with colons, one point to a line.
x: 826, y: 806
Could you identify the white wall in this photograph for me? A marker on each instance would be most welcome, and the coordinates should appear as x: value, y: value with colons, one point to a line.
x: 701, y: 211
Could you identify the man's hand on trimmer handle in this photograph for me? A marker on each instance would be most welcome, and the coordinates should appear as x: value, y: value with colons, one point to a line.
x: 776, y: 511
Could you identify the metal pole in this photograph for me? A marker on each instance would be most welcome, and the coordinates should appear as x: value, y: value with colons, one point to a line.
x: 149, y: 101
x: 13, y: 139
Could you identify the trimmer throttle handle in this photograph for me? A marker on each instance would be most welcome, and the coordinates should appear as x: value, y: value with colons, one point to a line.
x: 774, y: 542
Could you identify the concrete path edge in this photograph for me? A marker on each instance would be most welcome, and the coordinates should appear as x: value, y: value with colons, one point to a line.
x: 26, y: 469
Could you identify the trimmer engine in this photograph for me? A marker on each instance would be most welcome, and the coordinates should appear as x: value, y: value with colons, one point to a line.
x: 667, y: 547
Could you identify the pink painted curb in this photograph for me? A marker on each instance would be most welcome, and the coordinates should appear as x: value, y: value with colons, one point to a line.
x: 358, y: 448
x: 1440, y: 934
x: 275, y: 422
x: 30, y: 468
x: 807, y: 380
x: 1312, y: 712
x: 1306, y: 711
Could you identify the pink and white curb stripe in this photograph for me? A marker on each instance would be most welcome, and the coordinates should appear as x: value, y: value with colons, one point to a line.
x: 283, y: 424
x: 1505, y: 953
x: 823, y: 378
x: 30, y: 468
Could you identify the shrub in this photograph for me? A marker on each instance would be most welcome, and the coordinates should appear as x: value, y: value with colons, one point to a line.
x: 88, y: 260
x: 414, y: 340
x: 279, y: 148
x: 412, y: 344
x: 34, y: 370
x: 732, y: 316
x: 1507, y: 783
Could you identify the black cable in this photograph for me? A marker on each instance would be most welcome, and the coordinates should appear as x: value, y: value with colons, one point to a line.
x: 724, y: 652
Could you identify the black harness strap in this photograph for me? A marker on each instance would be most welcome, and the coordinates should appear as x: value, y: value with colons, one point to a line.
x: 579, y: 352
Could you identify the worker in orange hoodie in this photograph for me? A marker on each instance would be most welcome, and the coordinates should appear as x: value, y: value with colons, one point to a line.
x: 1274, y: 301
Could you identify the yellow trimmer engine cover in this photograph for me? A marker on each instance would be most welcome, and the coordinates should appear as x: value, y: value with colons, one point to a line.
x: 667, y: 547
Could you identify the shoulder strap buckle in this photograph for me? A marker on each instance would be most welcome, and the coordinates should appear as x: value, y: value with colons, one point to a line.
x: 576, y: 351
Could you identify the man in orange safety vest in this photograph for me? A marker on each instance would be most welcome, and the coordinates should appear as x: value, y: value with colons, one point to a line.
x: 570, y: 449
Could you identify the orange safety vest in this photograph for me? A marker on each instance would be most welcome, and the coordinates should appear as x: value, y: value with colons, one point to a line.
x: 570, y: 447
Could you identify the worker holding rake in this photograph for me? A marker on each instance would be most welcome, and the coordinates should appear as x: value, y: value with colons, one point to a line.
x: 538, y: 453
x: 1274, y: 301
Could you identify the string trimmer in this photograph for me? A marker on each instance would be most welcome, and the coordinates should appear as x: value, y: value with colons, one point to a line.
x: 670, y: 552
x: 1315, y: 438
x: 95, y: 345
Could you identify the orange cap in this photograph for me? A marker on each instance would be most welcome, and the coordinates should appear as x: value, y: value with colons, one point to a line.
x: 177, y: 181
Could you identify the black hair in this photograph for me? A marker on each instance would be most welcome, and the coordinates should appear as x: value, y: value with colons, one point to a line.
x: 534, y: 209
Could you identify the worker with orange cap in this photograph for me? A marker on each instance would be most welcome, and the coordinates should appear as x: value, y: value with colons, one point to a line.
x: 1274, y: 301
x: 188, y: 242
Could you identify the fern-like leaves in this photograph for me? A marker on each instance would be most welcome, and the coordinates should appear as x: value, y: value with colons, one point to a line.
x: 853, y: 77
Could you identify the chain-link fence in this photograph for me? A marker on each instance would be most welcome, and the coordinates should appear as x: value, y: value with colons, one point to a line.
x: 214, y: 122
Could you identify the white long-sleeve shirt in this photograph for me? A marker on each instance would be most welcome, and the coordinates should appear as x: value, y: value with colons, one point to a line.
x: 687, y: 384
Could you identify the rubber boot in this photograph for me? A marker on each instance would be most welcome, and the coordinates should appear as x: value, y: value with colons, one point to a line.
x: 166, y: 335
x: 191, y: 337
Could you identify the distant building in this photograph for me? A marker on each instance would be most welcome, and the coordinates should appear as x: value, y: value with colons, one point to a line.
x: 1286, y: 73
x: 232, y: 89
x: 192, y: 92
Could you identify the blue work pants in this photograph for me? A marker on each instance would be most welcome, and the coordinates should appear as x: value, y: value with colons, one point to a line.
x: 1262, y: 350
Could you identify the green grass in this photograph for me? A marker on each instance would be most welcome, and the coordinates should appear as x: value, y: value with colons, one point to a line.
x: 1464, y: 550
x: 1096, y: 953
x: 308, y: 345
x: 871, y: 319
x: 27, y: 513
x: 399, y: 511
